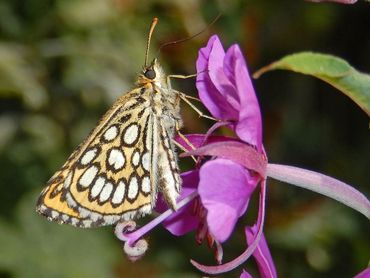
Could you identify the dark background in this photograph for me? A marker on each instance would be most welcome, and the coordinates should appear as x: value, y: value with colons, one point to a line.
x: 63, y: 63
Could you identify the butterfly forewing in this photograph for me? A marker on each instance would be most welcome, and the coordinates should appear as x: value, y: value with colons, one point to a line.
x: 108, y: 178
x: 169, y: 181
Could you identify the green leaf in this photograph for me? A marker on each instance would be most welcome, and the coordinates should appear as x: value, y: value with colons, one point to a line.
x: 333, y: 70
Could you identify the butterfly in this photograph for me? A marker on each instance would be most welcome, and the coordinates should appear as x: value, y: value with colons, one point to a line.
x: 116, y: 173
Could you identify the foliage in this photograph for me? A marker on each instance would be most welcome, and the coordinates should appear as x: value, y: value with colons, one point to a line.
x: 31, y: 247
x: 331, y: 69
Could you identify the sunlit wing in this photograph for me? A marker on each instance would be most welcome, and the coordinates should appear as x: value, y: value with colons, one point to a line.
x: 168, y: 172
x: 108, y: 178
x: 53, y: 205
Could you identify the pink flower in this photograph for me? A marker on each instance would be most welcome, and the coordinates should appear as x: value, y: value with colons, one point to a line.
x: 225, y: 88
x: 225, y: 185
x: 216, y: 194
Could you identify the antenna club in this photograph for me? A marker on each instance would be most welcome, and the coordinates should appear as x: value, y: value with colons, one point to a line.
x: 152, y: 26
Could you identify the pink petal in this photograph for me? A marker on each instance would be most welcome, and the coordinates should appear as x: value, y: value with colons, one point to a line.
x: 364, y: 274
x: 224, y: 189
x: 238, y: 152
x: 198, y: 140
x: 183, y: 220
x: 262, y: 254
x: 211, y: 83
x: 251, y: 248
x: 208, y: 93
x: 249, y: 126
x: 221, y: 82
x: 245, y: 274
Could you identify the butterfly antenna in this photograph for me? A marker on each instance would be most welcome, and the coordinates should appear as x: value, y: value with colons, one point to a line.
x: 191, y: 37
x: 152, y: 26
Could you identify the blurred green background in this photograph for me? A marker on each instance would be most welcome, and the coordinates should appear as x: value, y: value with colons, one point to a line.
x: 63, y: 63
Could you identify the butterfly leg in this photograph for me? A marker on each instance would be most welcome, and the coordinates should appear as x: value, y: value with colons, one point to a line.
x: 183, y: 149
x: 192, y: 98
x: 184, y: 97
x: 179, y: 76
x: 183, y: 137
x: 186, y: 140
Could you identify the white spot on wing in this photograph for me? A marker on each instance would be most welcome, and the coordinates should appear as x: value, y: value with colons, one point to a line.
x: 105, y: 193
x: 116, y: 159
x: 145, y: 161
x: 111, y: 133
x: 97, y: 187
x: 74, y: 221
x: 88, y: 176
x: 129, y: 215
x: 85, y: 213
x: 88, y: 156
x: 54, y: 214
x: 67, y: 181
x: 149, y: 135
x: 140, y: 212
x: 94, y: 216
x: 136, y: 158
x: 65, y: 217
x: 130, y: 103
x: 145, y: 209
x: 119, y: 193
x: 133, y: 188
x: 131, y: 134
x: 110, y: 219
x: 42, y: 208
x: 86, y: 223
x: 70, y: 201
x: 145, y: 185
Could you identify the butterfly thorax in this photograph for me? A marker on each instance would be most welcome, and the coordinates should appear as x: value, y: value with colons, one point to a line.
x: 164, y: 100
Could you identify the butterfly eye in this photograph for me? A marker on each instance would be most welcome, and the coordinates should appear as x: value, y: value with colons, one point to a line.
x: 150, y: 74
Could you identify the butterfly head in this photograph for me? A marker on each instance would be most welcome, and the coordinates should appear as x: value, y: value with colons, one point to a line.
x: 152, y: 74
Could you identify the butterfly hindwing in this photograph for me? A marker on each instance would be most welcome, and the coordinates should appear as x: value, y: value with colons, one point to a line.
x: 53, y: 205
x: 116, y: 172
x: 108, y: 178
